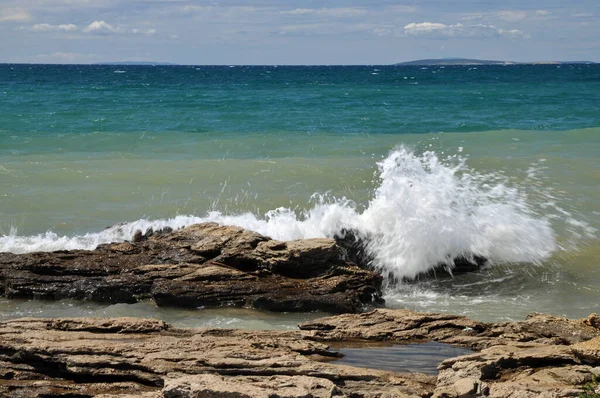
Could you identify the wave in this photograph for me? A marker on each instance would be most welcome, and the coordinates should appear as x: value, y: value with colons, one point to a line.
x: 426, y: 210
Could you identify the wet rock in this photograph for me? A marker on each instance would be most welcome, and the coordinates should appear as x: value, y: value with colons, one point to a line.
x: 140, y: 236
x: 354, y: 246
x: 202, y: 265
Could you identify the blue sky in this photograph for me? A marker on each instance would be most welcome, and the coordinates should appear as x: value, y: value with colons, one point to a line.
x: 296, y: 32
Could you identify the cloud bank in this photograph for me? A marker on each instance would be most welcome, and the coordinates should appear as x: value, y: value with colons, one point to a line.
x: 14, y: 15
x: 44, y: 27
x: 95, y: 28
x: 432, y: 30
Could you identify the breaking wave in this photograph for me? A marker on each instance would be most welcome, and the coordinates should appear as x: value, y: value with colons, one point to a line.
x: 425, y: 210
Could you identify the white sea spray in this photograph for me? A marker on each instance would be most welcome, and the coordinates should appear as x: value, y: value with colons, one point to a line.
x: 425, y: 210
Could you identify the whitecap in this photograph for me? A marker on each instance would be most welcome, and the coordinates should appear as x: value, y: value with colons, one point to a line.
x: 425, y: 211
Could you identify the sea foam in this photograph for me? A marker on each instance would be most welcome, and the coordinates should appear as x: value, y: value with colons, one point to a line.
x: 425, y: 210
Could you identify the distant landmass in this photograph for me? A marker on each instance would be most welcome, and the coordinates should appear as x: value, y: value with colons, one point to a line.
x: 467, y: 61
x: 135, y: 63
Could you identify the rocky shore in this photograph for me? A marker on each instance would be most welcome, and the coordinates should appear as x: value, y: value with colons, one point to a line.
x: 202, y: 265
x: 542, y: 356
x: 212, y: 265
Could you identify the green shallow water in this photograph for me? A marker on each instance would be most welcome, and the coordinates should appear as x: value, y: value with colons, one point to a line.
x: 182, y: 318
x: 72, y: 191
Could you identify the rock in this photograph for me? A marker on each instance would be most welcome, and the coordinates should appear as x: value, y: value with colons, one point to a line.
x: 215, y: 386
x: 542, y: 356
x: 587, y: 351
x: 406, y: 325
x: 354, y: 245
x: 202, y: 265
x: 593, y: 320
x: 394, y: 325
x: 137, y: 357
x: 518, y: 370
x: 463, y: 388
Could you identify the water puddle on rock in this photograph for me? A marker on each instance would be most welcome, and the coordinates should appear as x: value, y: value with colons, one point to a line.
x: 418, y: 358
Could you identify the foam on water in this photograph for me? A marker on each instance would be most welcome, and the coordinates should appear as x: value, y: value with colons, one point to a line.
x: 425, y: 210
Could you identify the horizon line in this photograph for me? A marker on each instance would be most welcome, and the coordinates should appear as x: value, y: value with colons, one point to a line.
x: 402, y: 63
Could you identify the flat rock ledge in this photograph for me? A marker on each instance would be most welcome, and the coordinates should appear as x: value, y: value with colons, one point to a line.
x: 542, y: 356
x: 198, y: 266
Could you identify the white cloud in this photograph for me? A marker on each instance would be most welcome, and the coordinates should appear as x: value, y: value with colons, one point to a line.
x: 335, y: 28
x: 513, y: 34
x: 342, y: 12
x: 101, y: 27
x: 508, y: 16
x: 381, y: 32
x: 44, y: 27
x: 148, y: 32
x: 472, y: 17
x: 299, y: 11
x: 434, y: 30
x: 14, y: 15
x: 512, y: 16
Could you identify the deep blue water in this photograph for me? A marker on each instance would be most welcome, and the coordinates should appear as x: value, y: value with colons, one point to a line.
x: 80, y: 99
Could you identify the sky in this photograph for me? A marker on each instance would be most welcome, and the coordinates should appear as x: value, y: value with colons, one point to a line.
x: 283, y: 32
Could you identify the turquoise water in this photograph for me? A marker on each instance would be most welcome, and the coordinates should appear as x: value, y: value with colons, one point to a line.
x: 497, y: 160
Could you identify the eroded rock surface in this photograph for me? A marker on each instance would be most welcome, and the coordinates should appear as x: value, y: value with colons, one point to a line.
x: 406, y: 325
x: 542, y: 356
x: 133, y: 357
x: 202, y: 265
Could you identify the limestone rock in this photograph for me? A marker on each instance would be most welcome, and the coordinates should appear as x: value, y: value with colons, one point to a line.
x: 542, y: 356
x: 136, y: 357
x: 406, y: 325
x: 393, y: 325
x: 215, y: 386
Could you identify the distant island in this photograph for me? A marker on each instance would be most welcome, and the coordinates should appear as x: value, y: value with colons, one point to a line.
x: 136, y: 63
x: 467, y: 61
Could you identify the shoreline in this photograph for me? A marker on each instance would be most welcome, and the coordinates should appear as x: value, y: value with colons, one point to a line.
x: 126, y: 357
x: 209, y: 265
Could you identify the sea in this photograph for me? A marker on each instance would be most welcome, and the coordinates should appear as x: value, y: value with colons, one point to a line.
x: 429, y: 162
